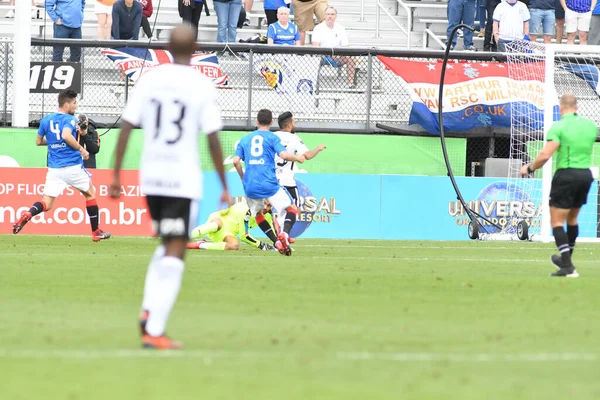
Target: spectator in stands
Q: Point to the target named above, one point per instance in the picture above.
(331, 34)
(68, 18)
(283, 31)
(480, 15)
(228, 15)
(578, 15)
(489, 43)
(542, 15)
(559, 14)
(461, 11)
(104, 16)
(127, 20)
(191, 11)
(303, 14)
(594, 34)
(271, 7)
(511, 22)
(146, 13)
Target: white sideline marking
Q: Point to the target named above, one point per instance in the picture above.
(220, 255)
(469, 357)
(209, 355)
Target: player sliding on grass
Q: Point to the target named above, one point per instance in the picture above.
(60, 132)
(223, 227)
(258, 150)
(573, 139)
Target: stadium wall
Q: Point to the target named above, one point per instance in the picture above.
(335, 206)
(345, 153)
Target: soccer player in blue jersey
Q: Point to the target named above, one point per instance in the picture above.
(59, 131)
(258, 150)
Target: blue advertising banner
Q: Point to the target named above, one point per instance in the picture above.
(403, 207)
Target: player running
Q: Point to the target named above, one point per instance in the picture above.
(172, 103)
(294, 145)
(223, 227)
(573, 139)
(60, 132)
(258, 150)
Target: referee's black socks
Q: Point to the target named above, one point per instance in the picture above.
(562, 243)
(572, 233)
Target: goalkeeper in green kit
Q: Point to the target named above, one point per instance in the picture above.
(572, 138)
(223, 227)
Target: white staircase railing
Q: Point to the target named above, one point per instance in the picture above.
(405, 30)
(409, 9)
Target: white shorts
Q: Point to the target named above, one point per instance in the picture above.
(57, 180)
(102, 9)
(575, 21)
(285, 178)
(280, 201)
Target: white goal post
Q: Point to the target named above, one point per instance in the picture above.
(560, 69)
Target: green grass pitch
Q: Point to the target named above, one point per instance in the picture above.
(338, 320)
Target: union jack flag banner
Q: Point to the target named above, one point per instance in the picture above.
(135, 61)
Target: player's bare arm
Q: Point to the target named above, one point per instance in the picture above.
(237, 163)
(216, 153)
(115, 187)
(292, 157)
(313, 153)
(41, 141)
(67, 135)
(541, 158)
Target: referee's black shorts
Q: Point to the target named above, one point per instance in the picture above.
(172, 216)
(570, 187)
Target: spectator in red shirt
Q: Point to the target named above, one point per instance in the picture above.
(146, 13)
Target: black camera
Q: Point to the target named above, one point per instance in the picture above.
(83, 122)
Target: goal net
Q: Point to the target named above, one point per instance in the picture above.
(543, 73)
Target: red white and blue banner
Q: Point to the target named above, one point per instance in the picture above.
(476, 94)
(135, 61)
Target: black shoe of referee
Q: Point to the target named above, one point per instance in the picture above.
(569, 272)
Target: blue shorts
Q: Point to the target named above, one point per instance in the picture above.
(327, 60)
(559, 12)
(542, 18)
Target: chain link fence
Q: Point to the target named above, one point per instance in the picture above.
(354, 97)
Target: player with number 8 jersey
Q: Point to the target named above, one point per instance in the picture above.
(60, 132)
(258, 150)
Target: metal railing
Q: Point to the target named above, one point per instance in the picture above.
(280, 78)
(406, 31)
(428, 33)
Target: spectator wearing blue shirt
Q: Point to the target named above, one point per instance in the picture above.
(283, 31)
(127, 20)
(578, 15)
(67, 16)
(594, 34)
